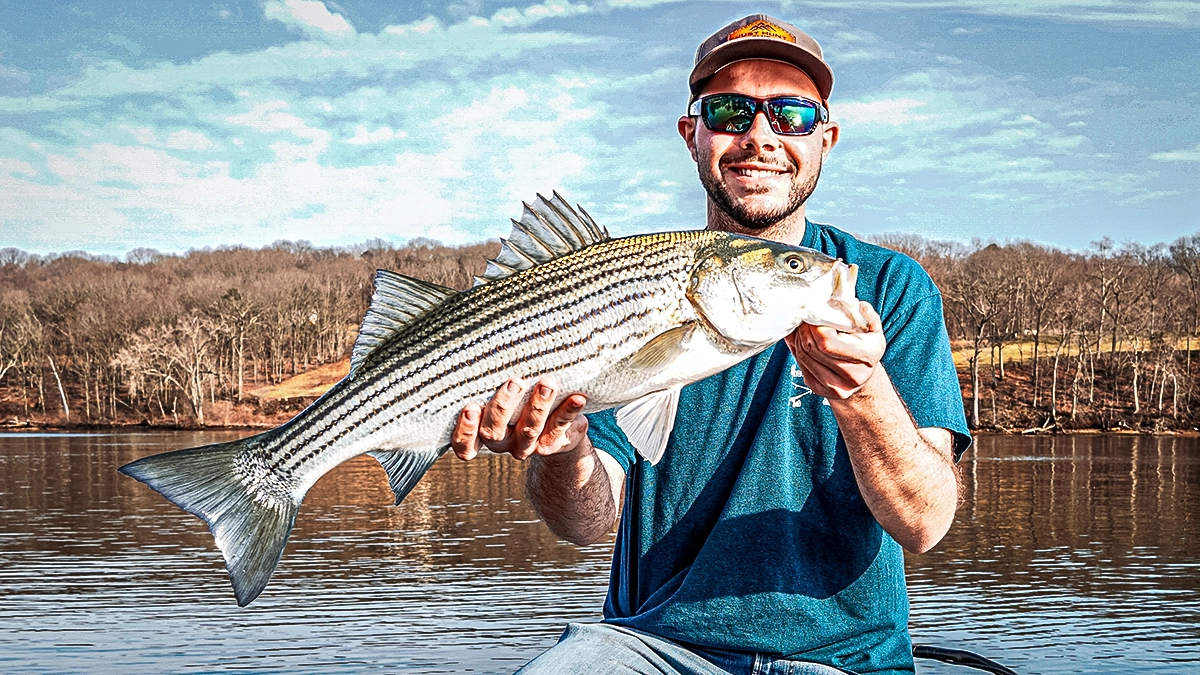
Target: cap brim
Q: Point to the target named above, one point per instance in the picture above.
(763, 48)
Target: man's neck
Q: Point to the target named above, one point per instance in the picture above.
(790, 230)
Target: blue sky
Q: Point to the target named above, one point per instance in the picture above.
(177, 125)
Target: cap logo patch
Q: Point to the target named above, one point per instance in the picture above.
(761, 29)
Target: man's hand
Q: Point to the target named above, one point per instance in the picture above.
(572, 486)
(906, 475)
(537, 430)
(836, 365)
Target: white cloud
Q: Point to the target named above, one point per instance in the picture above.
(310, 16)
(381, 135)
(1187, 155)
(13, 73)
(186, 139)
(511, 16)
(888, 112)
(1178, 12)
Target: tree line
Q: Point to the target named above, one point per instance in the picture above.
(1047, 338)
(1052, 339)
(95, 340)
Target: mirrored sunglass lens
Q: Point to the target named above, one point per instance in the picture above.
(793, 117)
(729, 113)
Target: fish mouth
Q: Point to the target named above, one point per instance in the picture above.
(843, 300)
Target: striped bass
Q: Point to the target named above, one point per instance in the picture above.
(627, 322)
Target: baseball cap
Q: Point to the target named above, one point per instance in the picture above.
(759, 36)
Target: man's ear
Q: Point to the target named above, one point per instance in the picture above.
(829, 137)
(687, 129)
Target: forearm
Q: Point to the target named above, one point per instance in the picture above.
(574, 493)
(909, 483)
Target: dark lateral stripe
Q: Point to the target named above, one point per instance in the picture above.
(485, 314)
(330, 417)
(493, 310)
(503, 366)
(325, 419)
(376, 413)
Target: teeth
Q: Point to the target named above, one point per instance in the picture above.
(757, 173)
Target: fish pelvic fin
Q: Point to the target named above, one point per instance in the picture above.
(251, 529)
(406, 467)
(648, 421)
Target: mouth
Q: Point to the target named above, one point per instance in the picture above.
(756, 175)
(756, 170)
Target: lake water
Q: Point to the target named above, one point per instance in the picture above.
(1071, 554)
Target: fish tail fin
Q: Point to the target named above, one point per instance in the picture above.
(251, 528)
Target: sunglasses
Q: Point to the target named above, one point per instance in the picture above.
(734, 113)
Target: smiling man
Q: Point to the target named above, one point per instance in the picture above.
(769, 538)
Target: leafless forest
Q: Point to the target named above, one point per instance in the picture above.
(1046, 339)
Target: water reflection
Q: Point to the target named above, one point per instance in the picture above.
(1070, 554)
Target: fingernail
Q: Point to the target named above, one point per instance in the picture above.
(470, 414)
(544, 391)
(513, 387)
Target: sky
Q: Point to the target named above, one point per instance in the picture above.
(177, 125)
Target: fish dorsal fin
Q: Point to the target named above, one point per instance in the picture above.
(648, 421)
(548, 228)
(396, 302)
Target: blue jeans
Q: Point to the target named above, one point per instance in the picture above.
(603, 649)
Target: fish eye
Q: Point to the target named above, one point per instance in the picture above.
(794, 263)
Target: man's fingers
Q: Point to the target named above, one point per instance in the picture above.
(493, 427)
(559, 426)
(874, 321)
(464, 440)
(533, 419)
(817, 374)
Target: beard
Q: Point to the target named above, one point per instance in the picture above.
(757, 219)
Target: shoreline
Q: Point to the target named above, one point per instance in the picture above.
(29, 425)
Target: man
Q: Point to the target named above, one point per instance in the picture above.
(769, 537)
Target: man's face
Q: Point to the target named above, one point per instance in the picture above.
(758, 178)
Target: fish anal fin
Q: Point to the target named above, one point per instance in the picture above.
(406, 467)
(250, 529)
(648, 421)
(396, 302)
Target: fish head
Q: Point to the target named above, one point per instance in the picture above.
(754, 291)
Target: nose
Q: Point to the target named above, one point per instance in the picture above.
(760, 136)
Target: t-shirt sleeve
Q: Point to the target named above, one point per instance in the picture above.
(920, 365)
(606, 436)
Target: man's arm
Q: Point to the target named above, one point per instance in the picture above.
(906, 475)
(574, 488)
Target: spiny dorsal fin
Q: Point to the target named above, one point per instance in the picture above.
(396, 302)
(548, 229)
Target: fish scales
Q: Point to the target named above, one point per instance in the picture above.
(625, 321)
(482, 327)
(498, 312)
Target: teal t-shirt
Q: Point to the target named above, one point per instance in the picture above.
(750, 534)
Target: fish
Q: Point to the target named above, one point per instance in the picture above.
(626, 321)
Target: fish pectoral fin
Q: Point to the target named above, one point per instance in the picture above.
(406, 467)
(396, 302)
(661, 350)
(648, 421)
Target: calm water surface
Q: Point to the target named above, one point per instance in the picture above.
(1075, 554)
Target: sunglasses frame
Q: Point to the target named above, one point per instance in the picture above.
(760, 105)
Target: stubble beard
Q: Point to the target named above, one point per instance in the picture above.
(757, 219)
